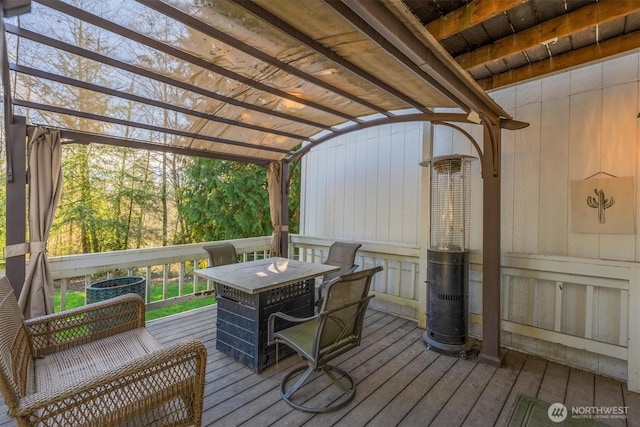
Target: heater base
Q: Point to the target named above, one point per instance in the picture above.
(460, 350)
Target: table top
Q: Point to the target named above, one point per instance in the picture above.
(261, 275)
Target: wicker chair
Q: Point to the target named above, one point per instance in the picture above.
(96, 366)
(321, 338)
(221, 254)
(343, 255)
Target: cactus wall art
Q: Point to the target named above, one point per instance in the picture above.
(600, 203)
(603, 206)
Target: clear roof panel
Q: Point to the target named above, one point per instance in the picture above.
(213, 75)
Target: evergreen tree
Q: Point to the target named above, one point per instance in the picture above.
(229, 200)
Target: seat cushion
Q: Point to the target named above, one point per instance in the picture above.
(300, 337)
(75, 364)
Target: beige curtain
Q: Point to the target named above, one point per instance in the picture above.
(273, 183)
(45, 183)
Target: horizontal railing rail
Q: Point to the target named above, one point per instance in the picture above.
(160, 267)
(396, 287)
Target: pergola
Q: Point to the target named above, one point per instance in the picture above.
(251, 81)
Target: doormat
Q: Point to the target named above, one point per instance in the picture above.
(532, 412)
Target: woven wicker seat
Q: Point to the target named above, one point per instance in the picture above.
(96, 365)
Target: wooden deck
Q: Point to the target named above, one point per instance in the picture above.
(399, 382)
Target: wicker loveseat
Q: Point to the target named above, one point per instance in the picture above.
(96, 365)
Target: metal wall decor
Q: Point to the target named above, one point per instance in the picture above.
(603, 205)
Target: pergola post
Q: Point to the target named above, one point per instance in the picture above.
(16, 201)
(491, 244)
(284, 207)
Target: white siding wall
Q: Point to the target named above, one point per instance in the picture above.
(365, 185)
(581, 122)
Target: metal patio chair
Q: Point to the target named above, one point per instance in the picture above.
(343, 255)
(221, 254)
(319, 339)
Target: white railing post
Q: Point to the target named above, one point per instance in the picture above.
(633, 344)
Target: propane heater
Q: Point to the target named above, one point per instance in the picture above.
(448, 254)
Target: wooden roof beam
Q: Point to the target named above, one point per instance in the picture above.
(469, 15)
(561, 26)
(611, 47)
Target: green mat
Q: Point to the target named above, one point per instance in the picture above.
(532, 412)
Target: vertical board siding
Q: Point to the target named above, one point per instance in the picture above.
(619, 110)
(410, 202)
(365, 185)
(526, 192)
(584, 160)
(554, 180)
(582, 122)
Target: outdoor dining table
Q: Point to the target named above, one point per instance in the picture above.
(249, 292)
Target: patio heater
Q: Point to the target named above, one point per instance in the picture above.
(448, 254)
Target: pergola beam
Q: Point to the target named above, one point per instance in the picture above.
(153, 128)
(57, 44)
(364, 15)
(328, 53)
(187, 57)
(562, 26)
(375, 20)
(196, 24)
(70, 136)
(151, 102)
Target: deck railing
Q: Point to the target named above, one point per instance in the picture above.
(580, 312)
(160, 266)
(396, 287)
(556, 307)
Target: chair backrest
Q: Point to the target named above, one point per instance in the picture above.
(221, 254)
(343, 255)
(16, 371)
(341, 315)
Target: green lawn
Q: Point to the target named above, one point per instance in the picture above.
(76, 299)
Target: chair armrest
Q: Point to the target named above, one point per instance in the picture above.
(283, 316)
(353, 268)
(172, 374)
(70, 328)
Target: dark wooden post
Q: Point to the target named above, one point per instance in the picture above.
(284, 208)
(16, 202)
(491, 244)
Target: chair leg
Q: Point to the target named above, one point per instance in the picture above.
(346, 395)
(298, 384)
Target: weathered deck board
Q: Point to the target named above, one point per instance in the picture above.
(491, 403)
(399, 382)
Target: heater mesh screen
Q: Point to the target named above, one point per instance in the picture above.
(450, 204)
